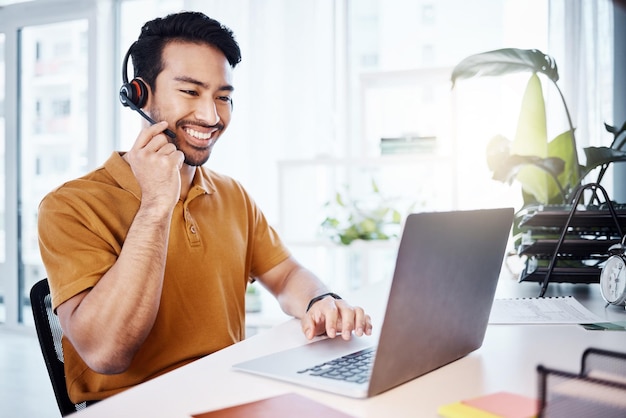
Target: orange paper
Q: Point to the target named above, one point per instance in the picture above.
(288, 405)
(506, 405)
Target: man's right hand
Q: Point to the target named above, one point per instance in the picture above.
(156, 164)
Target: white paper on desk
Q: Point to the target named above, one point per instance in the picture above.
(550, 310)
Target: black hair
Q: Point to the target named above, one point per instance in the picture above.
(193, 27)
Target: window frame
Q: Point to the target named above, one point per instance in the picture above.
(99, 15)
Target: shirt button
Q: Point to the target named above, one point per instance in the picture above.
(193, 229)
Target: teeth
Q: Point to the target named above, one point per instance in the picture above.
(197, 134)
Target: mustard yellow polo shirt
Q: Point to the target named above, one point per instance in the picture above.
(218, 239)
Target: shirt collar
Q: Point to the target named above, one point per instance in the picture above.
(119, 169)
(202, 183)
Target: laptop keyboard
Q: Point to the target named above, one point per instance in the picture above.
(355, 367)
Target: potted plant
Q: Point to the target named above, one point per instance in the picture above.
(253, 297)
(370, 218)
(549, 171)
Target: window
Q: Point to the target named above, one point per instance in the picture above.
(53, 132)
(43, 83)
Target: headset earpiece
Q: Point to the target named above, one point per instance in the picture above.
(134, 91)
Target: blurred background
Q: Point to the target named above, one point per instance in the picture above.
(347, 99)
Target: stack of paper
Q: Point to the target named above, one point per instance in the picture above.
(548, 310)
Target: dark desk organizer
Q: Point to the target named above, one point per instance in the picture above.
(567, 243)
(599, 390)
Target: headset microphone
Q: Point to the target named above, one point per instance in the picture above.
(135, 93)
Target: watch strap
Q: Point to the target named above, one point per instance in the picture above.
(320, 297)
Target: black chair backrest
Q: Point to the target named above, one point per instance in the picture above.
(49, 333)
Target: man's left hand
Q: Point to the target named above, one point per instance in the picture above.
(335, 317)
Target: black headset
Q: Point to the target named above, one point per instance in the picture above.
(134, 91)
(134, 94)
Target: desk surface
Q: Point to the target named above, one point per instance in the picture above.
(506, 361)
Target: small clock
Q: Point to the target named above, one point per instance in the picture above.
(613, 276)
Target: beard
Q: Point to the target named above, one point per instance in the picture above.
(194, 156)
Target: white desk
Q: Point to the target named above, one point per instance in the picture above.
(506, 361)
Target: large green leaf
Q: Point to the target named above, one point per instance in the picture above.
(597, 156)
(563, 147)
(531, 139)
(510, 166)
(505, 166)
(619, 135)
(506, 61)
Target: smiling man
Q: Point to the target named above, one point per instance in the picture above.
(148, 257)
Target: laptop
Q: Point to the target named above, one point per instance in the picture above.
(443, 287)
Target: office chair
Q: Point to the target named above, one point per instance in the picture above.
(49, 333)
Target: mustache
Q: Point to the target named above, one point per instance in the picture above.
(219, 125)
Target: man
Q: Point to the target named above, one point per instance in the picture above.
(149, 256)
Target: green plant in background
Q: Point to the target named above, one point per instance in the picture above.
(372, 218)
(253, 297)
(549, 171)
